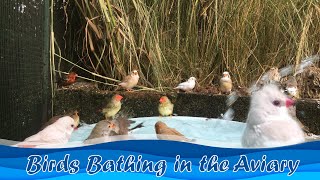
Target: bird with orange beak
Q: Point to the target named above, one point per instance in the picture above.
(113, 107)
(166, 133)
(130, 81)
(225, 83)
(165, 107)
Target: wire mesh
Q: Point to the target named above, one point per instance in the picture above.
(24, 58)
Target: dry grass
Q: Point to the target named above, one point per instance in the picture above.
(169, 41)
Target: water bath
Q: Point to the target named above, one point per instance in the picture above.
(205, 131)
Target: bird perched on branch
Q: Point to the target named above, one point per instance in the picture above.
(68, 79)
(166, 133)
(188, 85)
(73, 114)
(57, 133)
(113, 107)
(225, 83)
(165, 107)
(130, 81)
(269, 123)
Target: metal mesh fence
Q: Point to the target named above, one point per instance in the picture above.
(24, 61)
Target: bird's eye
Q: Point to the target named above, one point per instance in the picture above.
(72, 125)
(276, 103)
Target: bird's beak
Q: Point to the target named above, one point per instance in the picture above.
(113, 126)
(290, 102)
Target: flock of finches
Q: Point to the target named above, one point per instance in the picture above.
(269, 121)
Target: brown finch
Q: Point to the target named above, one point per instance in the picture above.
(166, 133)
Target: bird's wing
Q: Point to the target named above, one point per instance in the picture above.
(175, 132)
(48, 135)
(126, 79)
(109, 106)
(169, 131)
(99, 130)
(183, 85)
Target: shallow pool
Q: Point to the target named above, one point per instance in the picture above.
(212, 132)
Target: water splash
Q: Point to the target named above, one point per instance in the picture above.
(307, 62)
(229, 115)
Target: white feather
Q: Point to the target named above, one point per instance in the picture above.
(56, 133)
(188, 85)
(269, 125)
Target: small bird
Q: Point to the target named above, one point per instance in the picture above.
(104, 128)
(188, 85)
(57, 133)
(165, 107)
(166, 133)
(269, 123)
(291, 87)
(130, 81)
(225, 83)
(274, 75)
(67, 79)
(73, 114)
(113, 107)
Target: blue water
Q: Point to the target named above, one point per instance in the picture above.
(213, 132)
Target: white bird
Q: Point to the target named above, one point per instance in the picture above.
(57, 133)
(130, 81)
(188, 85)
(225, 83)
(269, 123)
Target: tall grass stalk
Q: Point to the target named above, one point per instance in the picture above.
(169, 41)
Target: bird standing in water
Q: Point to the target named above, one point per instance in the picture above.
(103, 128)
(165, 106)
(113, 107)
(166, 133)
(57, 133)
(130, 81)
(269, 123)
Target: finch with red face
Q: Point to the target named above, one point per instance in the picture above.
(113, 107)
(165, 106)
